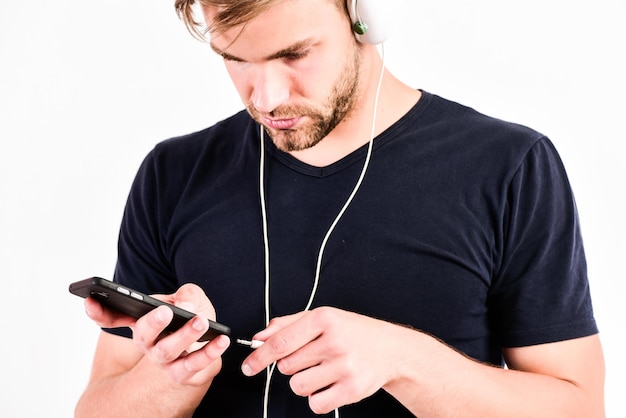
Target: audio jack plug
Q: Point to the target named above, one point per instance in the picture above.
(253, 344)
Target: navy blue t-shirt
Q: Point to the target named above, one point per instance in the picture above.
(465, 227)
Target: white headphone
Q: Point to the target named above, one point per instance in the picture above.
(369, 20)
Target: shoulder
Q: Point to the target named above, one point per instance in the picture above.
(228, 134)
(474, 127)
(459, 136)
(173, 164)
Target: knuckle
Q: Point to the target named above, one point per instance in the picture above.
(141, 342)
(279, 344)
(357, 389)
(188, 292)
(195, 363)
(160, 355)
(275, 322)
(354, 387)
(324, 315)
(176, 377)
(209, 354)
(284, 366)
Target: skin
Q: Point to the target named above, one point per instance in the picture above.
(334, 361)
(297, 127)
(285, 76)
(176, 371)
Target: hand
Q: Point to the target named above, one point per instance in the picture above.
(335, 357)
(183, 359)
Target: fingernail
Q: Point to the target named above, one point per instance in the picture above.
(246, 369)
(198, 324)
(223, 342)
(87, 311)
(162, 315)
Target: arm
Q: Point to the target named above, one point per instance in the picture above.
(337, 358)
(143, 377)
(563, 379)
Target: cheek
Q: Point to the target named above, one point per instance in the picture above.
(312, 81)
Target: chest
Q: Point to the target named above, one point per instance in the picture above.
(408, 250)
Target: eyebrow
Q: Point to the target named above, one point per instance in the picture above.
(285, 52)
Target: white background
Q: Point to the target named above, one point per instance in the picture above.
(88, 87)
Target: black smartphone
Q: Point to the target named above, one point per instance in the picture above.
(136, 304)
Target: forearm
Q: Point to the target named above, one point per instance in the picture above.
(143, 391)
(444, 383)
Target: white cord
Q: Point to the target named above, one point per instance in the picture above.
(265, 233)
(270, 369)
(354, 191)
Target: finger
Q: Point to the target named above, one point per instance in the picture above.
(171, 347)
(202, 358)
(148, 328)
(327, 400)
(334, 383)
(309, 355)
(328, 390)
(281, 344)
(192, 298)
(312, 380)
(199, 367)
(104, 317)
(276, 324)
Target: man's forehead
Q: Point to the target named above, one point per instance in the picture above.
(279, 25)
(284, 29)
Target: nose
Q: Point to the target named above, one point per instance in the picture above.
(270, 88)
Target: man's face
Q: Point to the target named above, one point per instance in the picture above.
(296, 68)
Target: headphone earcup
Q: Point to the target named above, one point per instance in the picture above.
(369, 21)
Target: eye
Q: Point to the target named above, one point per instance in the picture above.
(228, 58)
(296, 55)
(235, 63)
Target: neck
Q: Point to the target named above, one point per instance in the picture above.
(392, 101)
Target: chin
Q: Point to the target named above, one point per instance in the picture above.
(284, 143)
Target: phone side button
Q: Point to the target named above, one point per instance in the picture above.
(136, 296)
(123, 290)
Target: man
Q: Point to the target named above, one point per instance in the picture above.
(459, 251)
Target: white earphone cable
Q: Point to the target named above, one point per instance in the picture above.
(270, 369)
(356, 187)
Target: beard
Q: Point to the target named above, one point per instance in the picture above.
(321, 120)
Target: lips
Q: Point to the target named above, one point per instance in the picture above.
(281, 124)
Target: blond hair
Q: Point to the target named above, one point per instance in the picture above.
(231, 13)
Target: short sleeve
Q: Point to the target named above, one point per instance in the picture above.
(541, 293)
(142, 262)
